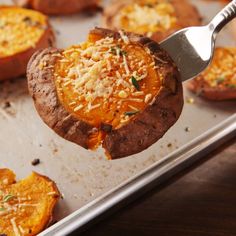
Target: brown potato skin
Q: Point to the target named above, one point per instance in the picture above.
(58, 7)
(202, 88)
(15, 65)
(43, 91)
(186, 13)
(134, 137)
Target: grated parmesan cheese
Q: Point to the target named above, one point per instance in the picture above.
(14, 226)
(100, 76)
(142, 18)
(124, 37)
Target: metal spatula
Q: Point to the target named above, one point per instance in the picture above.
(192, 48)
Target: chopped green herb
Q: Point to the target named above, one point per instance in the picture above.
(231, 85)
(135, 83)
(220, 80)
(117, 50)
(28, 21)
(113, 50)
(122, 52)
(8, 197)
(131, 113)
(2, 209)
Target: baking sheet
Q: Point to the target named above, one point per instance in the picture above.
(82, 175)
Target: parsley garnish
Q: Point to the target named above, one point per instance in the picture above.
(117, 50)
(220, 80)
(135, 83)
(113, 50)
(8, 197)
(30, 22)
(131, 113)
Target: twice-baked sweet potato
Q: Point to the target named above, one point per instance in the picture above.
(26, 206)
(22, 33)
(154, 18)
(58, 7)
(218, 81)
(119, 90)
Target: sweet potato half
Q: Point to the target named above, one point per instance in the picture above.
(119, 90)
(155, 18)
(218, 81)
(26, 206)
(58, 7)
(22, 33)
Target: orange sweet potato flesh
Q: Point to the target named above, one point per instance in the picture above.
(105, 114)
(31, 31)
(26, 206)
(58, 7)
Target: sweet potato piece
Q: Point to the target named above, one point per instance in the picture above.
(119, 90)
(6, 177)
(22, 33)
(154, 18)
(218, 81)
(26, 206)
(58, 7)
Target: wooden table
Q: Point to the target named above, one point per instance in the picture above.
(199, 202)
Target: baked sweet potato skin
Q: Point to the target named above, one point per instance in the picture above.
(43, 91)
(200, 87)
(137, 135)
(36, 194)
(15, 65)
(186, 14)
(58, 7)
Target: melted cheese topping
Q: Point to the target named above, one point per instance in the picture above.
(222, 71)
(147, 17)
(20, 29)
(106, 81)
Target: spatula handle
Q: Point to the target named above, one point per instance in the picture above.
(224, 17)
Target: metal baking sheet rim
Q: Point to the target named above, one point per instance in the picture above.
(170, 165)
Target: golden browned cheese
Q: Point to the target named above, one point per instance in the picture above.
(147, 16)
(106, 81)
(20, 29)
(218, 81)
(26, 206)
(222, 71)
